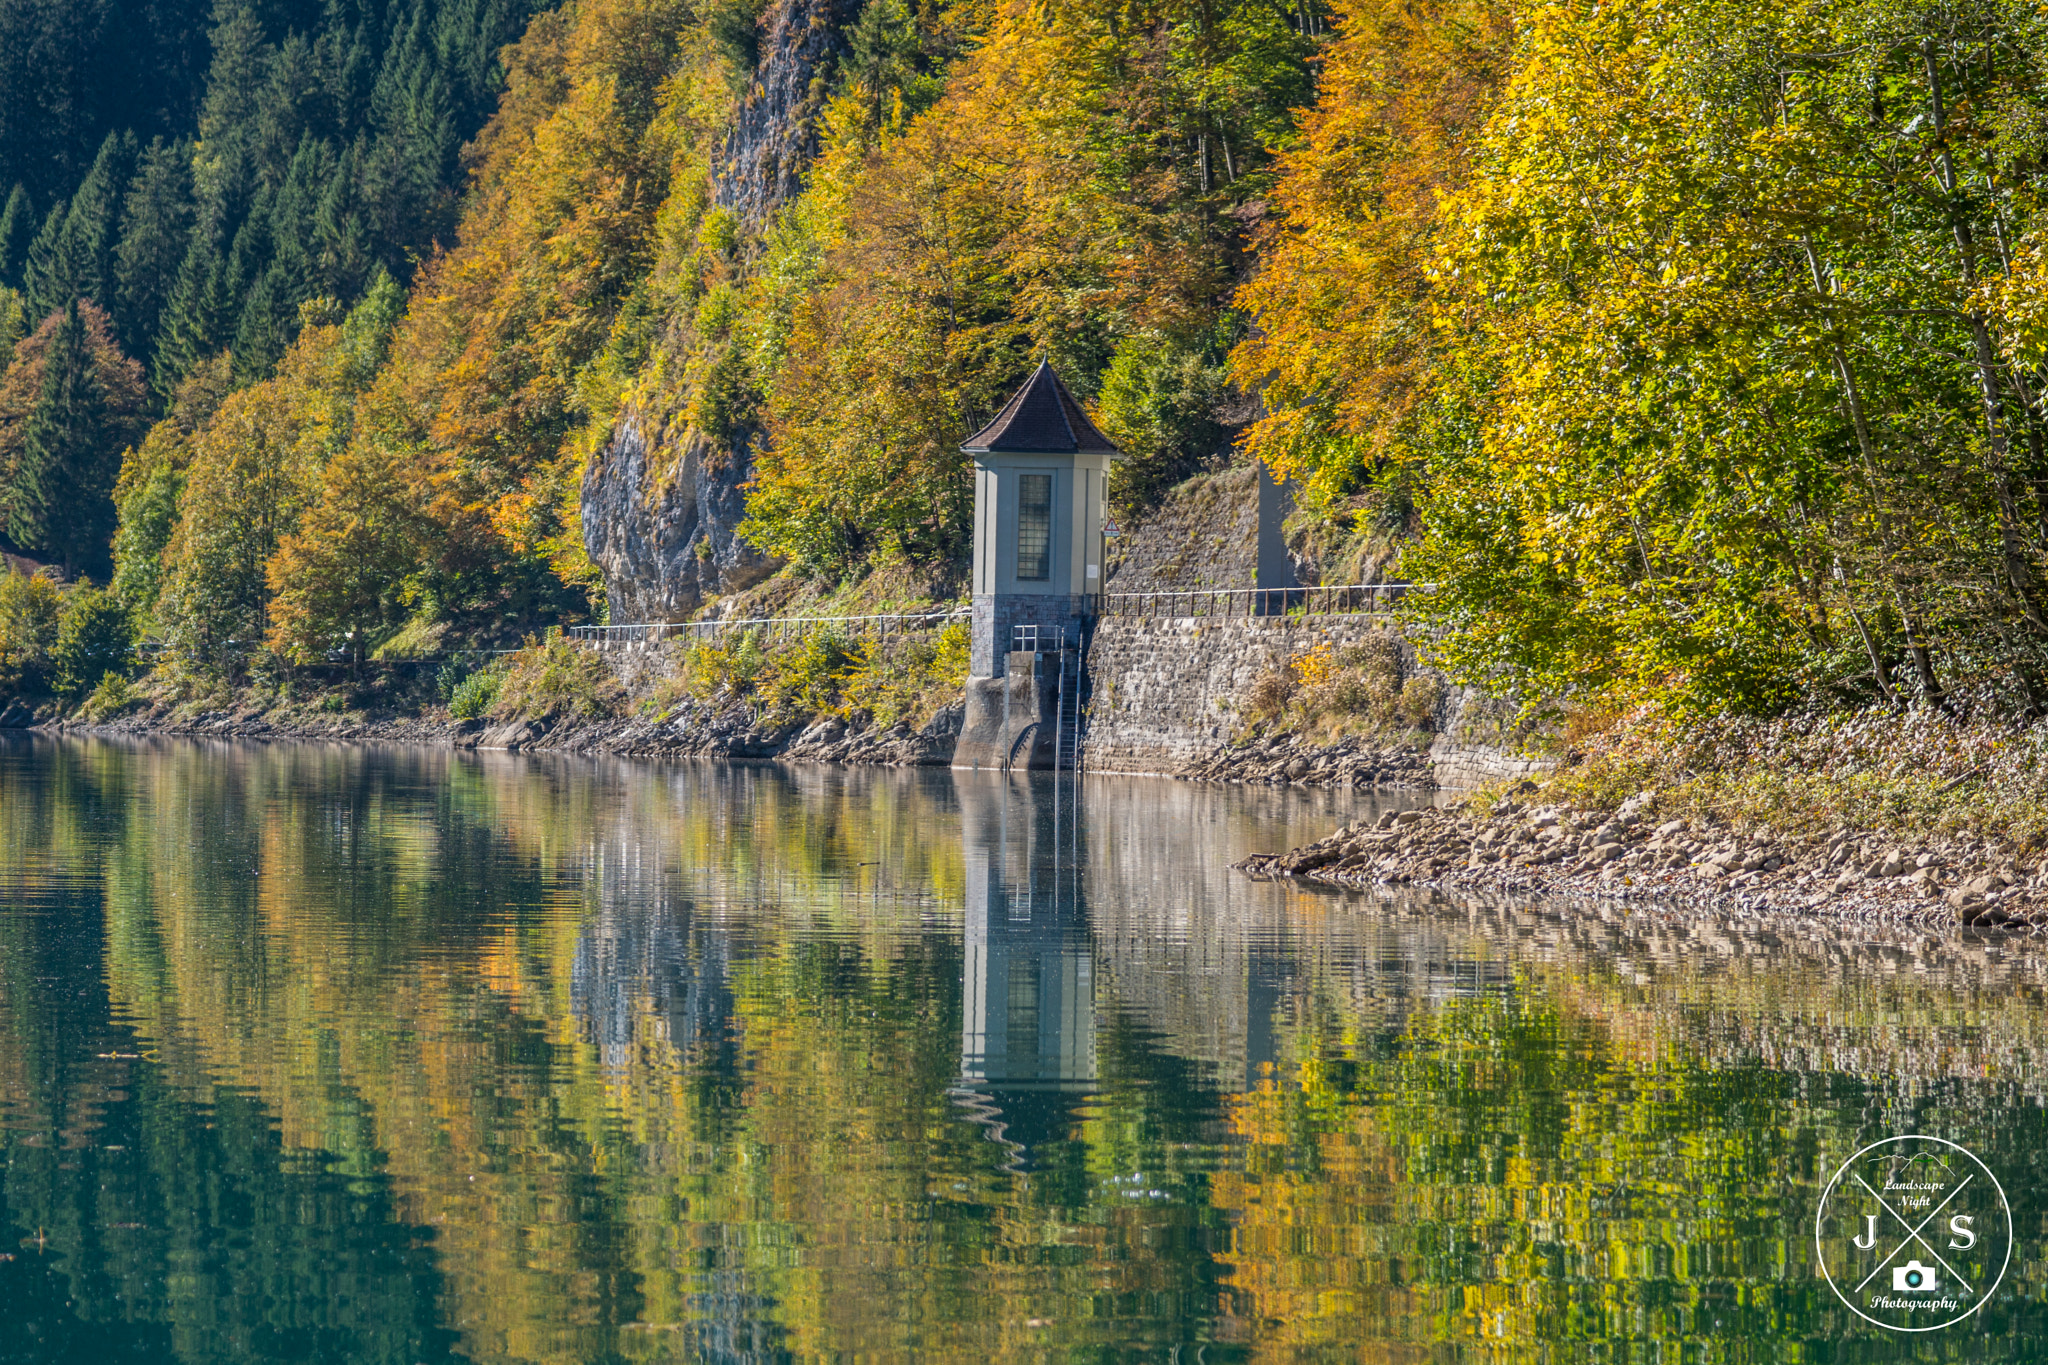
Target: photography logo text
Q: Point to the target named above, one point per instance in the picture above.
(1913, 1233)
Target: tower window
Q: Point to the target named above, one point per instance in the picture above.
(1034, 526)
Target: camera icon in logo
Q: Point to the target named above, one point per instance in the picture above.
(1914, 1278)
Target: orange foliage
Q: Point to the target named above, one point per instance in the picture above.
(1346, 345)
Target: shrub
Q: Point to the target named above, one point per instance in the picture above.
(807, 677)
(1316, 667)
(95, 637)
(1419, 699)
(911, 679)
(30, 613)
(476, 694)
(1330, 692)
(112, 697)
(1271, 693)
(555, 676)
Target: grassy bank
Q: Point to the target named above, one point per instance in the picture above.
(1916, 775)
(749, 678)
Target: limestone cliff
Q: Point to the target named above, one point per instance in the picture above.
(658, 519)
(774, 136)
(661, 500)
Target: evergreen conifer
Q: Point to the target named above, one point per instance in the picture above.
(59, 504)
(189, 328)
(156, 227)
(80, 260)
(16, 222)
(40, 267)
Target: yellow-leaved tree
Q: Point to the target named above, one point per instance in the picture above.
(1350, 339)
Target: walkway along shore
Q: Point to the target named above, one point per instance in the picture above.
(1629, 854)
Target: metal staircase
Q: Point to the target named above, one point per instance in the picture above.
(1064, 654)
(1066, 729)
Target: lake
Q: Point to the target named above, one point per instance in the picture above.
(326, 1053)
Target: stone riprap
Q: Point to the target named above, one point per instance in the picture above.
(1631, 854)
(1288, 760)
(697, 730)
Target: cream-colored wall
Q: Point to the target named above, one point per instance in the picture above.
(1078, 492)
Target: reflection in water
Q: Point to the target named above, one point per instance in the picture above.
(1028, 986)
(342, 1054)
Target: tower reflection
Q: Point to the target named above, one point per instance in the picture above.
(1027, 1047)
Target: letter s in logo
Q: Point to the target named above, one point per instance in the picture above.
(1959, 1226)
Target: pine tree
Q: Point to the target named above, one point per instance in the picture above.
(13, 320)
(16, 222)
(82, 264)
(156, 231)
(46, 124)
(264, 310)
(266, 326)
(40, 271)
(227, 118)
(189, 328)
(59, 503)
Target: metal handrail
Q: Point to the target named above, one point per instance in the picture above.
(1343, 599)
(661, 630)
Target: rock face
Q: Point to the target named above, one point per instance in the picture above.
(775, 135)
(659, 522)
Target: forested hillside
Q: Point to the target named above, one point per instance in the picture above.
(810, 247)
(1696, 351)
(182, 179)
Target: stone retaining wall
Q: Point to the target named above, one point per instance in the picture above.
(1167, 692)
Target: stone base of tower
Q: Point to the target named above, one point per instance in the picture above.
(997, 616)
(1010, 720)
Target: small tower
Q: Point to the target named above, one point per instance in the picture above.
(1041, 488)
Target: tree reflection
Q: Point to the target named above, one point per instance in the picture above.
(330, 1053)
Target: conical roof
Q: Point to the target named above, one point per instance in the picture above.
(1041, 417)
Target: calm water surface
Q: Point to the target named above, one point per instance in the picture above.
(342, 1054)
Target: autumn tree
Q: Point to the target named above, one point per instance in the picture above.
(1347, 343)
(95, 637)
(338, 580)
(252, 470)
(152, 481)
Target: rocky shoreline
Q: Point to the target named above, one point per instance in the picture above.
(1630, 854)
(694, 729)
(1284, 759)
(690, 730)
